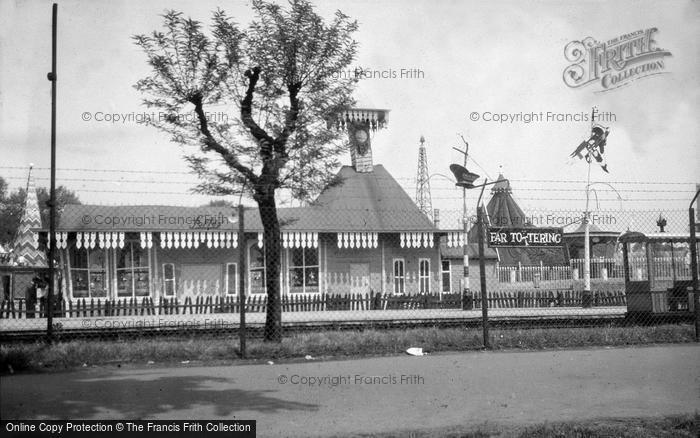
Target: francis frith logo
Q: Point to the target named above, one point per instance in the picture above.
(616, 62)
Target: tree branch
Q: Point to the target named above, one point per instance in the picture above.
(211, 143)
(272, 150)
(290, 120)
(258, 133)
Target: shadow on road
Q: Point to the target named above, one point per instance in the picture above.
(139, 395)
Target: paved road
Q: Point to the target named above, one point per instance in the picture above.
(368, 396)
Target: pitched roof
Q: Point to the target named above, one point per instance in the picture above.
(145, 218)
(371, 201)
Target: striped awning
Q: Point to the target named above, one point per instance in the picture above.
(299, 240)
(106, 240)
(212, 239)
(456, 239)
(358, 240)
(229, 239)
(417, 240)
(375, 118)
(92, 240)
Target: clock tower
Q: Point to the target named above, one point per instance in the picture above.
(361, 124)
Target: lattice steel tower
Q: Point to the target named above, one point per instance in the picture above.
(423, 199)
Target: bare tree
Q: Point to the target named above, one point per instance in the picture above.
(284, 77)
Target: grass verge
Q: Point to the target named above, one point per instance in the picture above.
(676, 426)
(65, 355)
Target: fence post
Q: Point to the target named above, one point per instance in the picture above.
(241, 279)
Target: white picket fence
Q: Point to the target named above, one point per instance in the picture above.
(601, 268)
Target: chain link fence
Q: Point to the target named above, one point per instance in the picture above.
(150, 270)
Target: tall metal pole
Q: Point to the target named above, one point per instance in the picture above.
(52, 196)
(480, 214)
(482, 271)
(586, 297)
(587, 248)
(241, 278)
(465, 230)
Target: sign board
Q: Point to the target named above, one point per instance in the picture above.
(523, 237)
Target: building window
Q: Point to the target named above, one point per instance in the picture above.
(231, 278)
(88, 273)
(256, 270)
(424, 276)
(303, 270)
(132, 271)
(446, 276)
(169, 286)
(399, 276)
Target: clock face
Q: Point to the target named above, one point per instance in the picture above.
(362, 141)
(361, 136)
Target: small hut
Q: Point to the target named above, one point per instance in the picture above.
(602, 243)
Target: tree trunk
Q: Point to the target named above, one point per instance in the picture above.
(271, 246)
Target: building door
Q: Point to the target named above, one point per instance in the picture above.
(6, 295)
(359, 278)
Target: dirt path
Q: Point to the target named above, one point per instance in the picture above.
(370, 396)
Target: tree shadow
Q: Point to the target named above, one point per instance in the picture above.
(140, 394)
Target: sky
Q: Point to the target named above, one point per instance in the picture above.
(482, 58)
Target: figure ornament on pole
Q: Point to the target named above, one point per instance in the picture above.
(591, 149)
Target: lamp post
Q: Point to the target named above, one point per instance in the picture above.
(467, 303)
(694, 265)
(465, 179)
(52, 195)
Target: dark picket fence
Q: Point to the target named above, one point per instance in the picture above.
(306, 303)
(556, 298)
